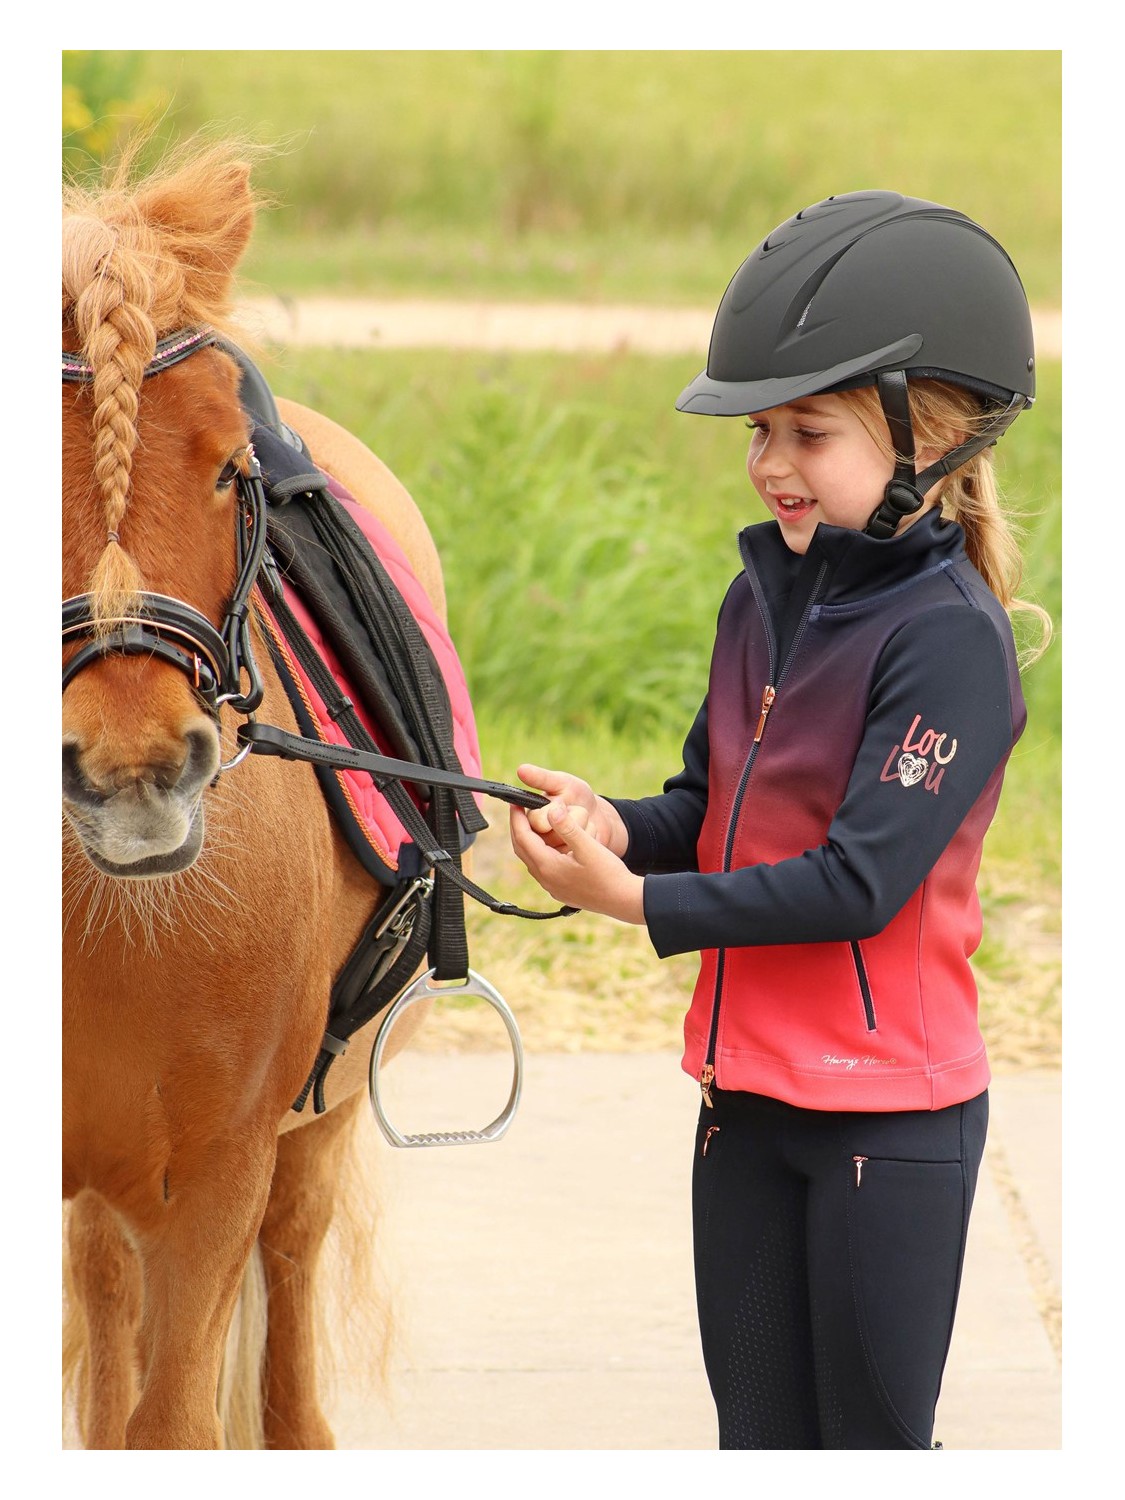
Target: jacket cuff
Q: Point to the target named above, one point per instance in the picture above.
(669, 930)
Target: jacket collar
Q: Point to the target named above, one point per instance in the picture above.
(858, 565)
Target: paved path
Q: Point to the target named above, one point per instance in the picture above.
(415, 323)
(546, 1278)
(546, 1298)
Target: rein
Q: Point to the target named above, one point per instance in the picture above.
(215, 659)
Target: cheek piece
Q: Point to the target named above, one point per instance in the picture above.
(906, 490)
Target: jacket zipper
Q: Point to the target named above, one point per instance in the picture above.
(769, 698)
(864, 986)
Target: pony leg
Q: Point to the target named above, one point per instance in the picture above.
(106, 1280)
(193, 1264)
(302, 1201)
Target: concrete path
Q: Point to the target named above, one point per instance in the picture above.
(562, 327)
(546, 1279)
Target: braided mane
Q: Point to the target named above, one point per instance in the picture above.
(140, 259)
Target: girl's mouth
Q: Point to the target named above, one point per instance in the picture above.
(791, 507)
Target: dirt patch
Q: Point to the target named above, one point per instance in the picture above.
(562, 327)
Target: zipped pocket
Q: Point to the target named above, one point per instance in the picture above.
(864, 987)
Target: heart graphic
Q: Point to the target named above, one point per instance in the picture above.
(912, 768)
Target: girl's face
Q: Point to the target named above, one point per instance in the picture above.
(814, 460)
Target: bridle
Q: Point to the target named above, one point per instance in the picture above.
(214, 660)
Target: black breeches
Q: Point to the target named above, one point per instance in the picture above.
(828, 1255)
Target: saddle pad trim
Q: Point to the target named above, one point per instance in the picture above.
(374, 819)
(362, 821)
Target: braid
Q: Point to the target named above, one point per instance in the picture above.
(942, 414)
(109, 298)
(143, 256)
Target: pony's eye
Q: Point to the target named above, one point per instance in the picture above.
(228, 476)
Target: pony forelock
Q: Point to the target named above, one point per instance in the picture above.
(143, 257)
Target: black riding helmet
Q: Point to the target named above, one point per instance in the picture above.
(872, 288)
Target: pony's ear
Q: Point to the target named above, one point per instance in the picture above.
(207, 211)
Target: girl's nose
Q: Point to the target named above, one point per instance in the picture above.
(767, 459)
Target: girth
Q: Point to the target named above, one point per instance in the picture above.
(293, 524)
(316, 547)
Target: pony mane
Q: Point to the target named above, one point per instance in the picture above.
(143, 256)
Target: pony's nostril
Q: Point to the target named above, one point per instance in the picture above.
(202, 760)
(76, 787)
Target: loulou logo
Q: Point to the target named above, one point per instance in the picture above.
(909, 762)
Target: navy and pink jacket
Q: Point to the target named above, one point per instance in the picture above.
(821, 845)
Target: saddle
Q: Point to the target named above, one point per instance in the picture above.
(374, 681)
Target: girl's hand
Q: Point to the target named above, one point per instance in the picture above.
(593, 813)
(577, 870)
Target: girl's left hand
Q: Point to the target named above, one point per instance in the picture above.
(584, 873)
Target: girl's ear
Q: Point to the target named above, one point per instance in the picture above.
(926, 456)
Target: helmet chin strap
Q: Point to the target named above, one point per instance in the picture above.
(903, 494)
(906, 490)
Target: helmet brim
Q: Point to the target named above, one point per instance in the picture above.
(732, 398)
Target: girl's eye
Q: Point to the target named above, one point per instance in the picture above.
(806, 434)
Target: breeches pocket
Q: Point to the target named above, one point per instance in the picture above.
(907, 1223)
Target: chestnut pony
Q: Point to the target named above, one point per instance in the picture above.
(206, 911)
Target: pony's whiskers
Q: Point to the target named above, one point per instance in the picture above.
(188, 996)
(147, 913)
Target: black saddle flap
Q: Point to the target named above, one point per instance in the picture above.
(361, 613)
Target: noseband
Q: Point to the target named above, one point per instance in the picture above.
(213, 660)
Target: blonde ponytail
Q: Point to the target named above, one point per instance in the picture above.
(942, 416)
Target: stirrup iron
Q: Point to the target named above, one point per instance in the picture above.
(423, 989)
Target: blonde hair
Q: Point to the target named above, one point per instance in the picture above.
(942, 416)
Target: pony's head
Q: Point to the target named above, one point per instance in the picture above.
(150, 503)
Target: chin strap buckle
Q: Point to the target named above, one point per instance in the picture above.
(900, 500)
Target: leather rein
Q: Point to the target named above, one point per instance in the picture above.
(215, 658)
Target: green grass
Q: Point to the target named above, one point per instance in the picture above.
(586, 530)
(587, 533)
(612, 174)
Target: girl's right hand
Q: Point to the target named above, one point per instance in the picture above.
(600, 818)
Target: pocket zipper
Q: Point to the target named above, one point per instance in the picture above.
(864, 987)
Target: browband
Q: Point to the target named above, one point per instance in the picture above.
(169, 351)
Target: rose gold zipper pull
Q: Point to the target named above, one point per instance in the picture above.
(768, 695)
(859, 1161)
(706, 1079)
(711, 1130)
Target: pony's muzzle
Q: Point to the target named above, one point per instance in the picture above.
(140, 819)
(183, 767)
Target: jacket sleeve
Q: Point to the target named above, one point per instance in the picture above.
(950, 667)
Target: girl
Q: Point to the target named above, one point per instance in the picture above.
(820, 846)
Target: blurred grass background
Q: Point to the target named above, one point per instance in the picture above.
(586, 530)
(625, 174)
(587, 533)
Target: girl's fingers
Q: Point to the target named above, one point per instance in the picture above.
(542, 779)
(539, 819)
(568, 824)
